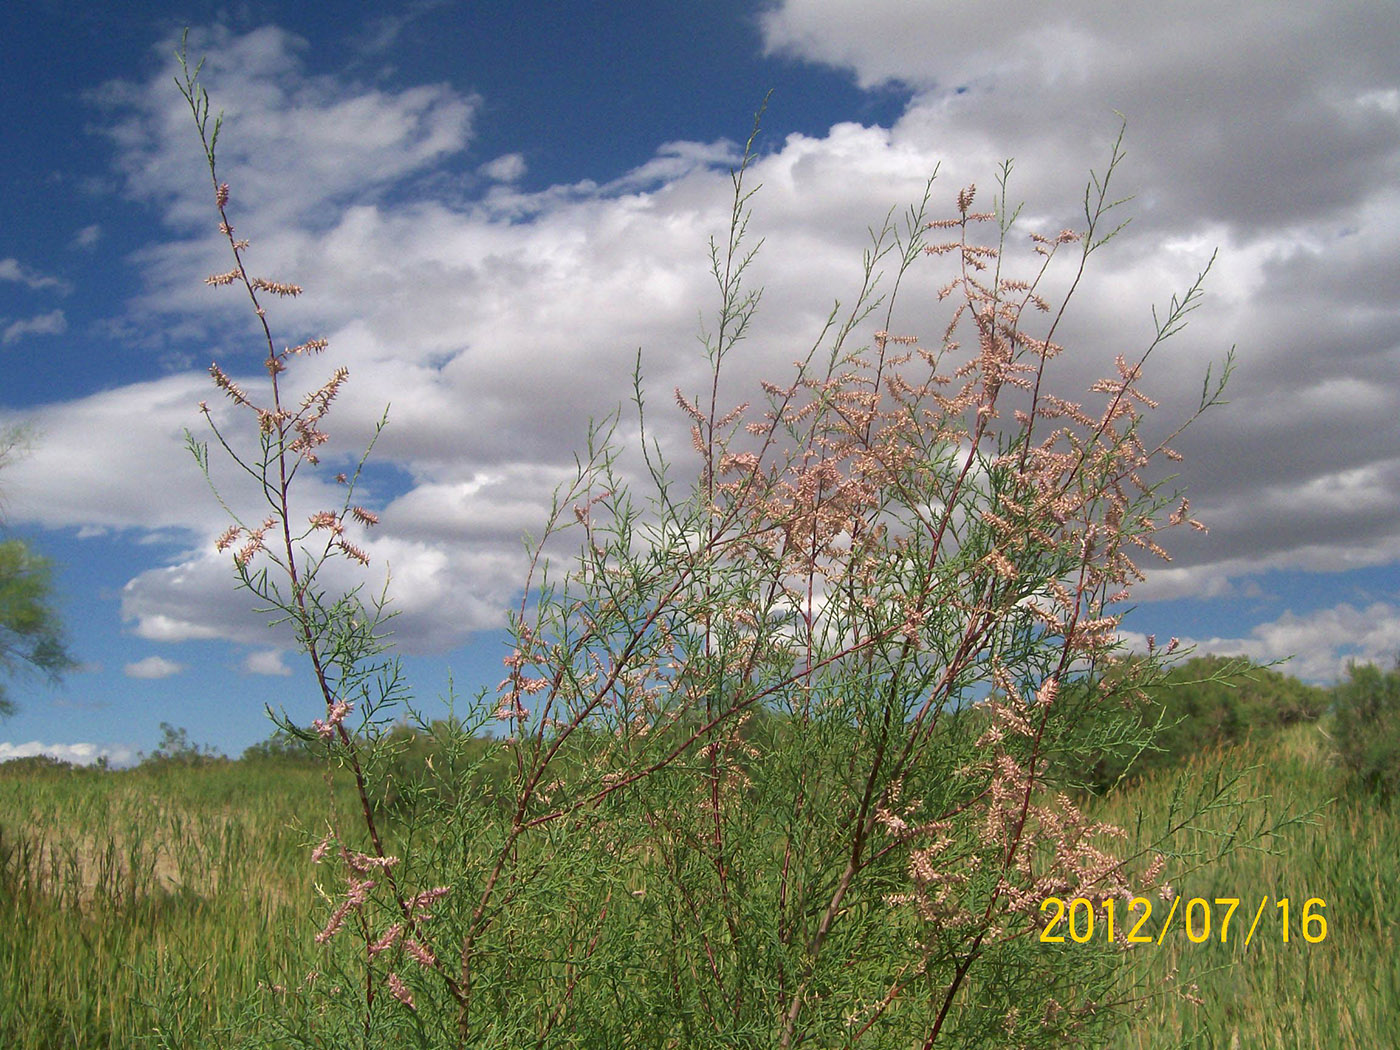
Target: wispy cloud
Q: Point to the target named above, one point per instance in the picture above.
(80, 704)
(13, 270)
(382, 32)
(51, 323)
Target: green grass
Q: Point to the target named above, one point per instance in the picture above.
(1339, 992)
(146, 898)
(160, 898)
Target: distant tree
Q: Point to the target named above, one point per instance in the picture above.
(1367, 727)
(31, 636)
(31, 764)
(176, 748)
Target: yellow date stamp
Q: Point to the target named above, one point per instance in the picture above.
(1079, 920)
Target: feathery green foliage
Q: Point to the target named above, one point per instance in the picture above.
(31, 635)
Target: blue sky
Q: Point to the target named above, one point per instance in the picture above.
(493, 205)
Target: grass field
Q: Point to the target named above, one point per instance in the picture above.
(1339, 992)
(148, 898)
(167, 897)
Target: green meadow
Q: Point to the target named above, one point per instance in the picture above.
(168, 904)
(1338, 992)
(154, 898)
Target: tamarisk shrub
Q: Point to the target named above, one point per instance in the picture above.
(771, 761)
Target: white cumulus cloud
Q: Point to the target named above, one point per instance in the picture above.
(153, 667)
(508, 167)
(266, 662)
(496, 329)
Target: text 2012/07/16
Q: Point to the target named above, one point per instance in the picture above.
(1078, 918)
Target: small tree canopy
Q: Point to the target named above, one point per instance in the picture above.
(30, 632)
(176, 748)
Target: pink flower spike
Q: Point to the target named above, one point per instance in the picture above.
(427, 897)
(363, 862)
(421, 953)
(387, 941)
(399, 990)
(337, 920)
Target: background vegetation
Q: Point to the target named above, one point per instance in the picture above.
(173, 897)
(31, 634)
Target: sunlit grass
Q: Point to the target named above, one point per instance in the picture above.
(149, 897)
(1273, 995)
(162, 897)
